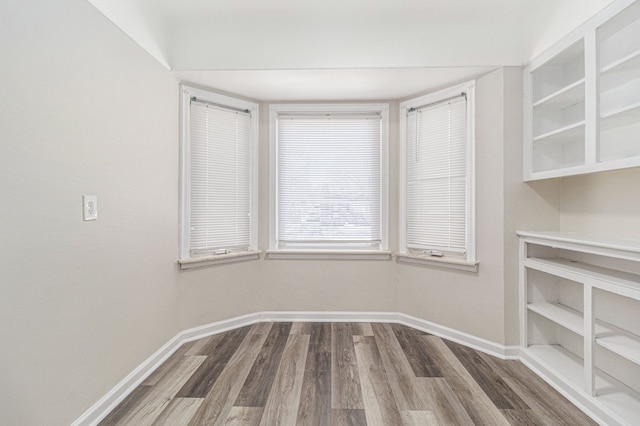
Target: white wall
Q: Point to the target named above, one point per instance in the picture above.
(83, 110)
(602, 204)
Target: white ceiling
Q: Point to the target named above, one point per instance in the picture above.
(342, 49)
(329, 85)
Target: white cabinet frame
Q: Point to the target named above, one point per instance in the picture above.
(591, 268)
(570, 144)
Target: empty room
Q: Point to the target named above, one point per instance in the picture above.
(346, 212)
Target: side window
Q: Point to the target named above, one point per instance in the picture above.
(219, 194)
(437, 175)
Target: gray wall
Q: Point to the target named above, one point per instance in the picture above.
(602, 204)
(83, 110)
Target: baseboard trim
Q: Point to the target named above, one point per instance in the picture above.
(477, 343)
(108, 402)
(104, 405)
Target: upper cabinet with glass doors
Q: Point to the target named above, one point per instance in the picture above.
(582, 98)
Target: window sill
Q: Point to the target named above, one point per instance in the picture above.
(438, 262)
(328, 255)
(220, 259)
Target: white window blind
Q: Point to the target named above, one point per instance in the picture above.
(436, 176)
(220, 179)
(329, 180)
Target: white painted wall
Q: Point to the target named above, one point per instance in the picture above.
(602, 204)
(83, 110)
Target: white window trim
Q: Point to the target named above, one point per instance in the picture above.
(185, 260)
(276, 253)
(404, 256)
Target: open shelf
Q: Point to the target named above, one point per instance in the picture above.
(560, 73)
(619, 401)
(570, 284)
(621, 70)
(625, 116)
(561, 315)
(564, 134)
(586, 91)
(631, 61)
(606, 278)
(566, 365)
(619, 341)
(566, 96)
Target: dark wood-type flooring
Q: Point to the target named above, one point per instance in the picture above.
(339, 374)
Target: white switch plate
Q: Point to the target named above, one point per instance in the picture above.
(90, 207)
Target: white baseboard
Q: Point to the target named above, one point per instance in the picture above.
(320, 316)
(100, 409)
(477, 343)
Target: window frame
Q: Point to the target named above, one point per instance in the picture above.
(344, 252)
(448, 260)
(185, 260)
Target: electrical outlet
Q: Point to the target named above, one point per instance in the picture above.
(90, 207)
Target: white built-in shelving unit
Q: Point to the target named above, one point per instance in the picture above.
(582, 98)
(580, 320)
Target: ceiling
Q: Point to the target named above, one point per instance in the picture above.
(342, 49)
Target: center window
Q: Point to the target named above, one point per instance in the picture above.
(329, 177)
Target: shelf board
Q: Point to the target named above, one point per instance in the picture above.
(560, 314)
(614, 72)
(564, 134)
(620, 117)
(570, 170)
(621, 342)
(551, 238)
(620, 401)
(563, 363)
(565, 97)
(604, 278)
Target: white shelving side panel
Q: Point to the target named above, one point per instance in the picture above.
(560, 314)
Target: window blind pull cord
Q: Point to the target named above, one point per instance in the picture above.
(194, 99)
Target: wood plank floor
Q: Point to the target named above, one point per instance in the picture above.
(339, 374)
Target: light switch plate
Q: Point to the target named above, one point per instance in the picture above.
(90, 207)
